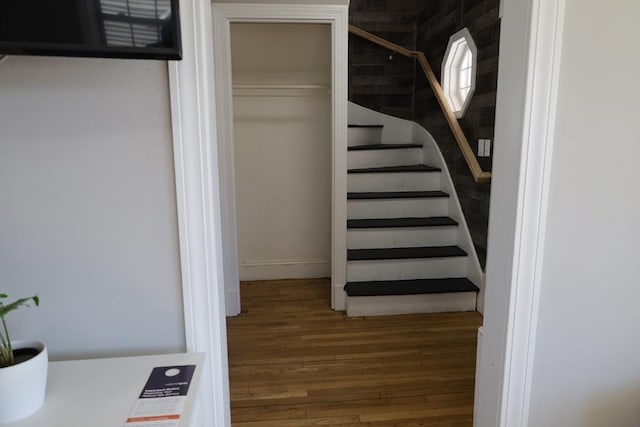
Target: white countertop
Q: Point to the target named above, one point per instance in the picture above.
(102, 392)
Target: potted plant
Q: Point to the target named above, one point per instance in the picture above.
(23, 368)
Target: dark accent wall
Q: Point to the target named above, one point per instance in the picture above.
(376, 81)
(436, 22)
(398, 86)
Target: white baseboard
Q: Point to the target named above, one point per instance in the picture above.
(285, 269)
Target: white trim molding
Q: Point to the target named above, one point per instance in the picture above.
(335, 15)
(276, 269)
(547, 22)
(198, 206)
(526, 110)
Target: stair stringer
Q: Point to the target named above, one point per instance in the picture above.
(432, 153)
(402, 131)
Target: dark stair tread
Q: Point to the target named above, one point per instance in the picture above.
(366, 126)
(433, 221)
(404, 253)
(388, 169)
(395, 195)
(382, 147)
(410, 287)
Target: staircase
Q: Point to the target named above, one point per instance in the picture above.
(403, 251)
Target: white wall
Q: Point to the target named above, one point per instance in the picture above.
(88, 212)
(282, 141)
(271, 53)
(587, 359)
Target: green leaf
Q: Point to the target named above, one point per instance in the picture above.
(6, 309)
(6, 357)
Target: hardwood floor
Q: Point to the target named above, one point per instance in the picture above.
(294, 362)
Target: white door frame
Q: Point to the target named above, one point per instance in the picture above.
(193, 121)
(336, 16)
(528, 78)
(510, 319)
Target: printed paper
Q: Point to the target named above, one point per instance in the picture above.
(162, 399)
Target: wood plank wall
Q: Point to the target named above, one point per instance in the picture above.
(436, 22)
(375, 81)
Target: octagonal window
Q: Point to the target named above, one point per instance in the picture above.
(459, 71)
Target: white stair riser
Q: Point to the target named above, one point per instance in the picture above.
(401, 269)
(397, 208)
(405, 304)
(394, 181)
(379, 158)
(364, 136)
(404, 237)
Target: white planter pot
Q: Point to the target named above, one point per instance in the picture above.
(23, 386)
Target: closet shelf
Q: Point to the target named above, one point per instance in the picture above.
(270, 89)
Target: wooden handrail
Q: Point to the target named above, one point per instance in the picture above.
(478, 174)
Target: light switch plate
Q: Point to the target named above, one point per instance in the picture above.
(480, 147)
(487, 147)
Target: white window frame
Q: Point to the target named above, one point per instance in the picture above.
(459, 92)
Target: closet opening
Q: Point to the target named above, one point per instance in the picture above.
(282, 150)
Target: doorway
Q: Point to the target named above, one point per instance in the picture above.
(281, 74)
(271, 81)
(199, 195)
